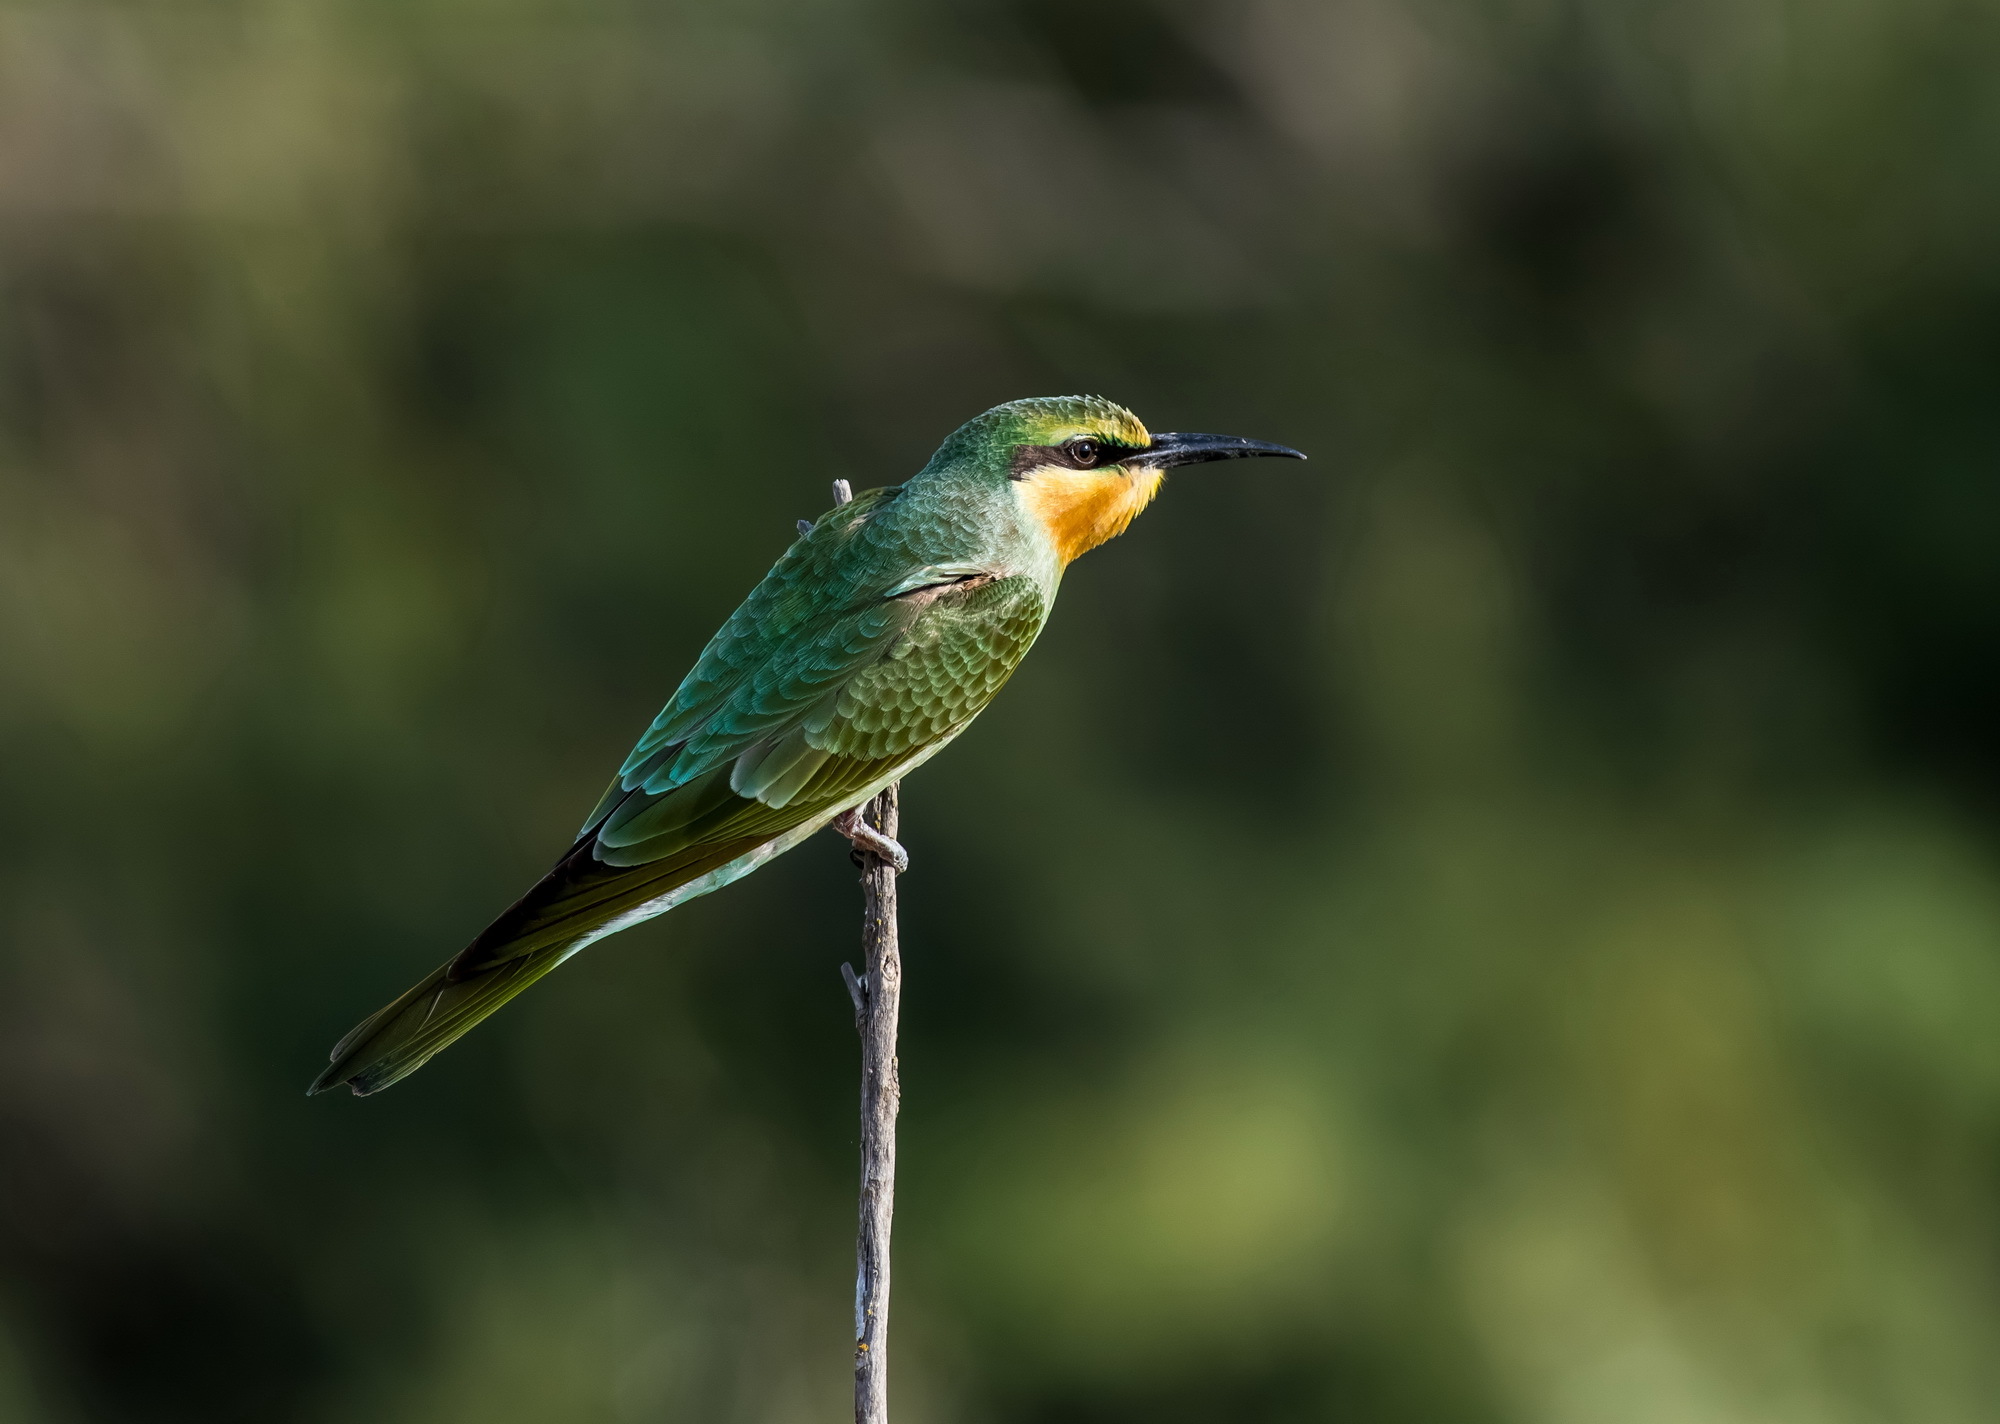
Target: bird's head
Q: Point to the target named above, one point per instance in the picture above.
(1081, 467)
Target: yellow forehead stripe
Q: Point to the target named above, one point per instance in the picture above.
(1088, 415)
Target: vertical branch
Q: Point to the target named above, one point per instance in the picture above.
(877, 994)
(880, 1003)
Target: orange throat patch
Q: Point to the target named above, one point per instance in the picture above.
(1080, 509)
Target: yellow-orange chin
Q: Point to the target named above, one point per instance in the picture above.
(1080, 509)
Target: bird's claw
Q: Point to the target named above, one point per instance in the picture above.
(866, 837)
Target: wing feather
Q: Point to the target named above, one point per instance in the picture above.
(953, 656)
(814, 693)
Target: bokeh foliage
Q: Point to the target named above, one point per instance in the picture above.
(1501, 923)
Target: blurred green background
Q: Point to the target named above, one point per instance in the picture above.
(1500, 923)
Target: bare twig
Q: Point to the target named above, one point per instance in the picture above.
(877, 994)
(881, 986)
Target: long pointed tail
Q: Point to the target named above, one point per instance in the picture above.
(396, 1041)
(580, 900)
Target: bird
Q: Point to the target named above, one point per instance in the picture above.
(878, 636)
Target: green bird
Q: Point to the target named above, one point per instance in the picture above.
(875, 640)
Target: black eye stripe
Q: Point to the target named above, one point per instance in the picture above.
(1109, 452)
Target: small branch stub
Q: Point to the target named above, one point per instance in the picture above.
(857, 993)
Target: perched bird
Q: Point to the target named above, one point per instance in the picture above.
(881, 633)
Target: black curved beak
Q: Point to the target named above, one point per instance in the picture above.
(1179, 447)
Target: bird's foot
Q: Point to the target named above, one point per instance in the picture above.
(866, 837)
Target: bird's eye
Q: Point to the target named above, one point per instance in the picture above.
(1083, 450)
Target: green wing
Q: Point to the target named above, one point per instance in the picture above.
(838, 672)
